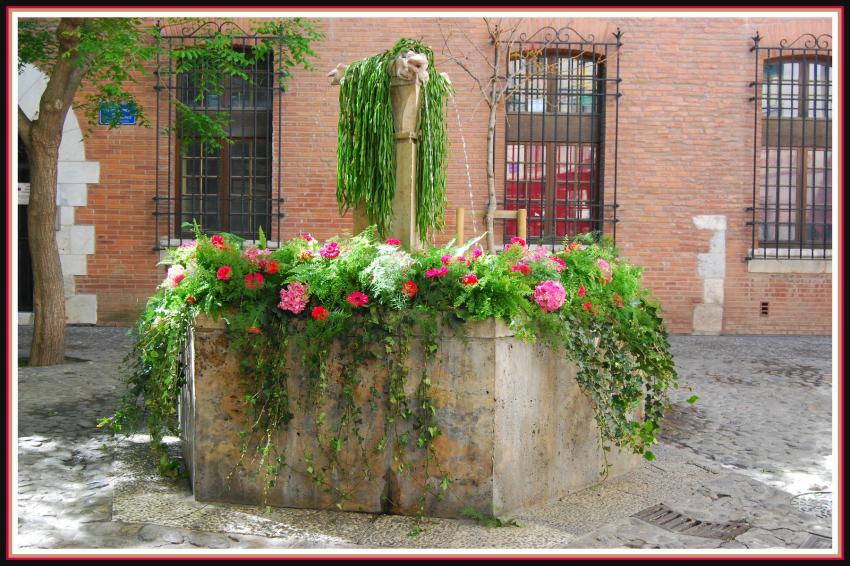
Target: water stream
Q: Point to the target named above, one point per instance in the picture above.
(468, 175)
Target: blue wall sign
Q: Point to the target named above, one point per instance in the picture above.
(126, 114)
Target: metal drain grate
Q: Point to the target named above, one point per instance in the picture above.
(671, 520)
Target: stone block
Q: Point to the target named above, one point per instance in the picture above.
(69, 285)
(82, 239)
(78, 172)
(713, 291)
(711, 266)
(517, 429)
(81, 309)
(708, 319)
(710, 222)
(72, 194)
(63, 240)
(66, 215)
(73, 264)
(803, 266)
(72, 148)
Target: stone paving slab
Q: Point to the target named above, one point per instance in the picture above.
(759, 436)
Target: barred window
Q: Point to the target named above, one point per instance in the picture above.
(228, 188)
(554, 137)
(792, 208)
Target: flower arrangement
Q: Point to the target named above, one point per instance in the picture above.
(583, 300)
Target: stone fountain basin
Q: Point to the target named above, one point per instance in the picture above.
(517, 430)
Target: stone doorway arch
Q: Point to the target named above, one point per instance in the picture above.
(76, 242)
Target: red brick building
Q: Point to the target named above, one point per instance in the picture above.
(720, 188)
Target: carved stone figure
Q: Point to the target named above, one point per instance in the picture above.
(410, 66)
(337, 73)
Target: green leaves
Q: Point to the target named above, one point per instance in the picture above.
(366, 142)
(692, 399)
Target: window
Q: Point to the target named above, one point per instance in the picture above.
(792, 212)
(554, 140)
(228, 188)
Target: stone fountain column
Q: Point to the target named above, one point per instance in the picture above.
(409, 73)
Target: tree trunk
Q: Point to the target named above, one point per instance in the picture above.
(491, 179)
(42, 137)
(495, 97)
(48, 339)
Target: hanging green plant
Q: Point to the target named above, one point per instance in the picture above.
(366, 151)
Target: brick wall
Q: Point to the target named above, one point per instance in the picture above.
(685, 149)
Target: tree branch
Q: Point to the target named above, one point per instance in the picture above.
(456, 60)
(24, 128)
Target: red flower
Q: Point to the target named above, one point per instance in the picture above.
(618, 300)
(518, 240)
(587, 306)
(320, 313)
(522, 268)
(191, 299)
(462, 259)
(307, 237)
(357, 299)
(582, 291)
(446, 259)
(218, 242)
(253, 330)
(271, 267)
(469, 279)
(254, 280)
(393, 242)
(410, 288)
(224, 272)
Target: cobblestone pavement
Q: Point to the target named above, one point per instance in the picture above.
(756, 448)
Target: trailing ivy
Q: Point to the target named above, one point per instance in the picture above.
(307, 320)
(366, 163)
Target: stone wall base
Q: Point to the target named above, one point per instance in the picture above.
(516, 430)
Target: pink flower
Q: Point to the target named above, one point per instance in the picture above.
(461, 259)
(469, 279)
(254, 280)
(605, 267)
(476, 253)
(433, 273)
(393, 242)
(410, 289)
(320, 313)
(294, 298)
(446, 259)
(251, 254)
(224, 272)
(560, 264)
(218, 242)
(549, 295)
(357, 299)
(582, 291)
(330, 250)
(522, 268)
(188, 245)
(307, 237)
(176, 274)
(518, 240)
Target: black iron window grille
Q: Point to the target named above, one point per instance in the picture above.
(229, 187)
(791, 214)
(561, 88)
